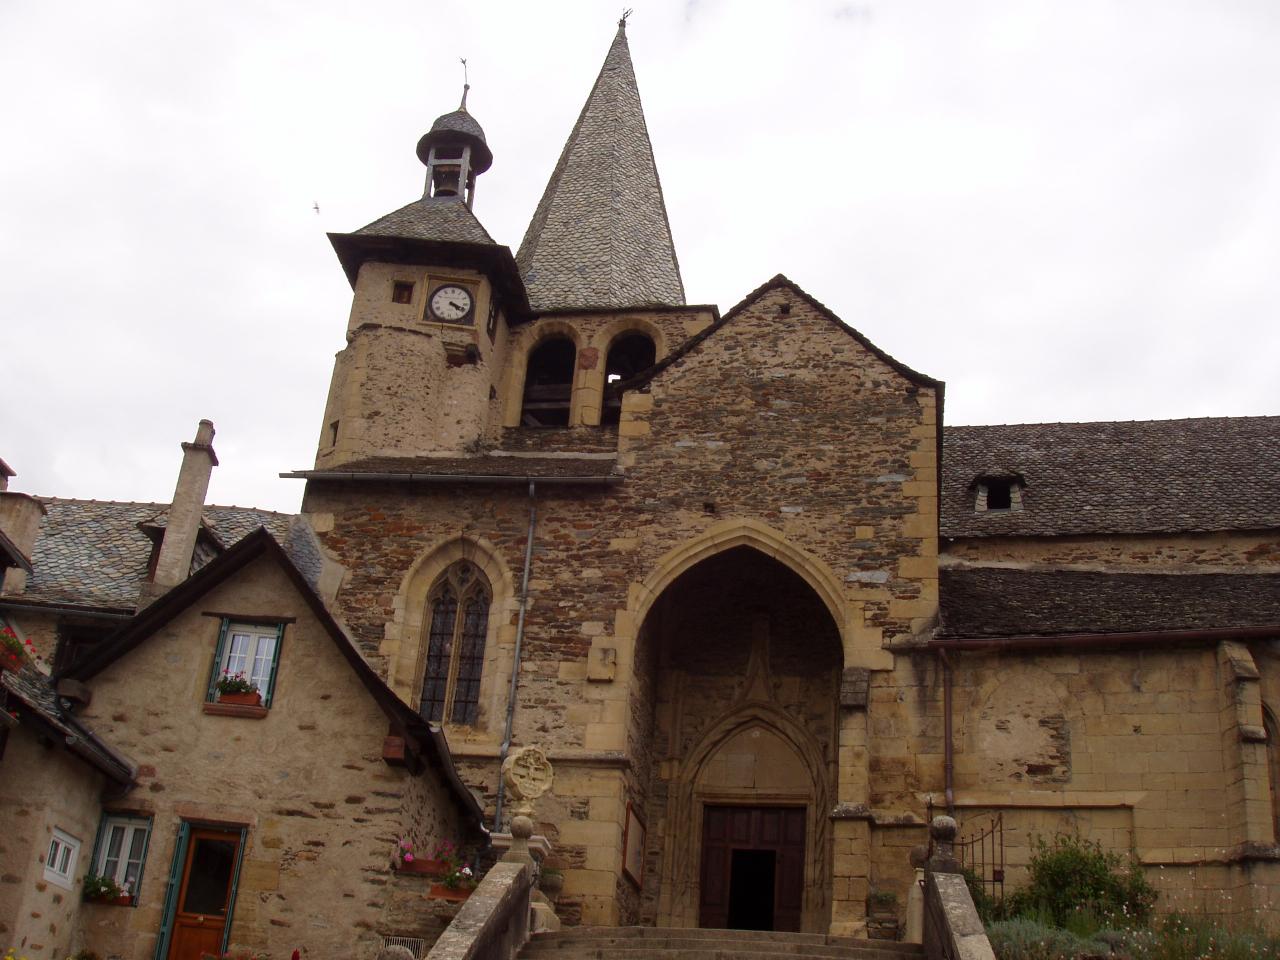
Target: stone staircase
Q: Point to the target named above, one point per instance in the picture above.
(665, 943)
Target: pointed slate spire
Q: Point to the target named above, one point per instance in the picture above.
(600, 237)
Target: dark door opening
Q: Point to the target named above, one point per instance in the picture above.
(752, 878)
(752, 870)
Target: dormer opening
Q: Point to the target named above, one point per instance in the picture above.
(548, 384)
(998, 492)
(629, 354)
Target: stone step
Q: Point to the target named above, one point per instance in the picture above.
(664, 943)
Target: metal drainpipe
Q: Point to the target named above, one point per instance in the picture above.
(948, 748)
(515, 665)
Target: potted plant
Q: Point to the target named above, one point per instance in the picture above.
(458, 878)
(882, 904)
(237, 688)
(14, 653)
(406, 861)
(105, 890)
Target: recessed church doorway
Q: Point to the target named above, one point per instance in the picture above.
(752, 867)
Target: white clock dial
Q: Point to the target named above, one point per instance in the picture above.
(451, 303)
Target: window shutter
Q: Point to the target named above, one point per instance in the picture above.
(211, 695)
(142, 867)
(235, 884)
(275, 667)
(95, 863)
(175, 882)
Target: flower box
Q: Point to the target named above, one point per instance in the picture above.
(425, 867)
(123, 900)
(252, 699)
(456, 894)
(9, 660)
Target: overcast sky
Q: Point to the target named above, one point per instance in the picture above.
(1067, 211)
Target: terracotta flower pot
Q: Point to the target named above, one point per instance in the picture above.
(124, 900)
(253, 699)
(429, 868)
(456, 894)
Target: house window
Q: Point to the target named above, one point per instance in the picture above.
(402, 292)
(60, 862)
(459, 607)
(999, 493)
(247, 650)
(122, 849)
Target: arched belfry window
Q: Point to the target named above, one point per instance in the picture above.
(548, 384)
(629, 354)
(459, 618)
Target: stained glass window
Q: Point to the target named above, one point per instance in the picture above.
(459, 605)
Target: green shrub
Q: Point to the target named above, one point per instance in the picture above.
(1075, 884)
(1179, 937)
(1023, 939)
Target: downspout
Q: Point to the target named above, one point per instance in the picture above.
(948, 746)
(515, 663)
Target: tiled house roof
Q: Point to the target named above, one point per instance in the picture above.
(994, 602)
(516, 467)
(1150, 476)
(93, 553)
(600, 237)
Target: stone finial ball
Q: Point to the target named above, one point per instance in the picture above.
(919, 855)
(943, 828)
(394, 952)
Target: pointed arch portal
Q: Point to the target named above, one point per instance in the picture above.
(738, 662)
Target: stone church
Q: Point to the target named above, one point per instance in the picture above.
(730, 570)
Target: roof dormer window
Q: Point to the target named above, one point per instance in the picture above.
(998, 493)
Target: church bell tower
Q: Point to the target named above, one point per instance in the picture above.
(433, 294)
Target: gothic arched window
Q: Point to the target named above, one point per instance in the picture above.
(459, 619)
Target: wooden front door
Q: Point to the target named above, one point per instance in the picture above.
(752, 868)
(205, 894)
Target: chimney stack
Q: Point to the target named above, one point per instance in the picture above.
(19, 527)
(183, 524)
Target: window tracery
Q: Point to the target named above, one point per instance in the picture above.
(459, 604)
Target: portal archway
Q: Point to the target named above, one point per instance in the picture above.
(738, 667)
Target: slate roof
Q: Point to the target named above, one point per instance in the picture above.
(32, 690)
(1146, 476)
(994, 602)
(92, 552)
(492, 467)
(600, 238)
(431, 218)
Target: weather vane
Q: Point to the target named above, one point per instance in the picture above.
(465, 83)
(625, 13)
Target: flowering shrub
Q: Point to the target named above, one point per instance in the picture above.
(21, 650)
(235, 683)
(459, 872)
(1071, 876)
(404, 851)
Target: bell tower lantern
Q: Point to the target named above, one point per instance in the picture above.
(455, 153)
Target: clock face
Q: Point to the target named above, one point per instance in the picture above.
(451, 303)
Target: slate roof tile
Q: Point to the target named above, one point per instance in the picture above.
(430, 218)
(600, 237)
(92, 552)
(993, 602)
(1127, 477)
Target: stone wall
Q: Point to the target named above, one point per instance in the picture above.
(323, 810)
(43, 786)
(1172, 553)
(779, 432)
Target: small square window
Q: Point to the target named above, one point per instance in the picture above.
(60, 861)
(122, 851)
(402, 292)
(246, 657)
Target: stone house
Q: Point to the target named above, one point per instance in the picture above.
(268, 826)
(760, 606)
